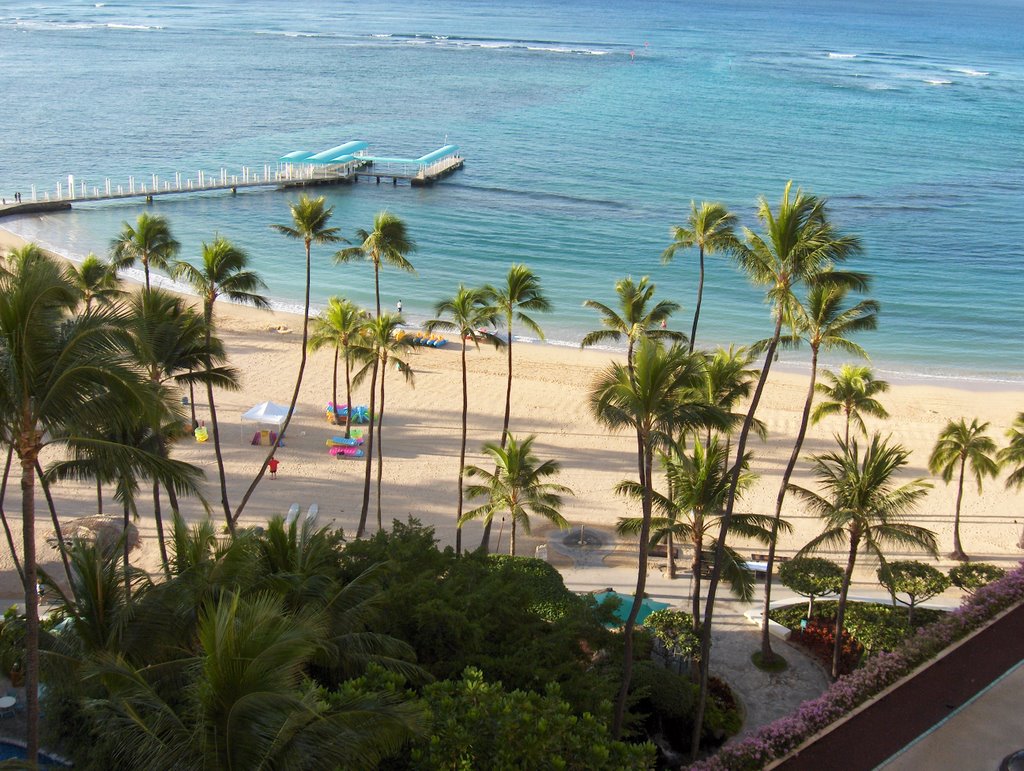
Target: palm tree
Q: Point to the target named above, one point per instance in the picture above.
(700, 484)
(799, 243)
(712, 229)
(959, 445)
(864, 509)
(825, 323)
(851, 392)
(96, 280)
(387, 244)
(380, 344)
(634, 319)
(54, 369)
(469, 311)
(1013, 455)
(729, 380)
(521, 292)
(339, 326)
(309, 225)
(150, 242)
(517, 487)
(646, 398)
(224, 271)
(169, 340)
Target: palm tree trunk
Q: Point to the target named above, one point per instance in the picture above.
(726, 522)
(512, 539)
(671, 557)
(841, 609)
(958, 551)
(145, 267)
(766, 644)
(348, 397)
(485, 544)
(3, 515)
(334, 391)
(376, 284)
(160, 528)
(380, 440)
(846, 436)
(369, 452)
(56, 522)
(462, 449)
(291, 406)
(638, 596)
(216, 446)
(28, 456)
(127, 564)
(99, 494)
(700, 295)
(192, 401)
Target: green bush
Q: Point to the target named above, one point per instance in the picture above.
(971, 576)
(811, 577)
(919, 581)
(674, 630)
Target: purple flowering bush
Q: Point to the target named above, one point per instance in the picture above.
(777, 739)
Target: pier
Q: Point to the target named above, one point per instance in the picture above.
(344, 164)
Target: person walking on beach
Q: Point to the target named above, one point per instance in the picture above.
(272, 465)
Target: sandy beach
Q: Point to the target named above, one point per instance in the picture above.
(421, 435)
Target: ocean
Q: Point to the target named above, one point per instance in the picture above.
(587, 127)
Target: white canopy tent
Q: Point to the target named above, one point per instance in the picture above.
(263, 414)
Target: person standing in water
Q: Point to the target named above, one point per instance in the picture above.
(399, 306)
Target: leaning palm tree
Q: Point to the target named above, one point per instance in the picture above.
(309, 225)
(1013, 456)
(388, 243)
(851, 392)
(712, 229)
(96, 280)
(169, 340)
(56, 370)
(224, 271)
(864, 509)
(150, 242)
(799, 243)
(958, 446)
(644, 397)
(825, 322)
(517, 487)
(339, 327)
(520, 292)
(468, 312)
(635, 319)
(380, 344)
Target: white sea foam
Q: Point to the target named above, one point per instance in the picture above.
(833, 55)
(142, 27)
(938, 82)
(971, 73)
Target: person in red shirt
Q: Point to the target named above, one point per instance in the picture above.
(273, 464)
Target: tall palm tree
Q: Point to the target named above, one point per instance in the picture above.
(309, 225)
(712, 229)
(388, 243)
(468, 312)
(958, 446)
(645, 398)
(150, 242)
(169, 340)
(380, 344)
(799, 243)
(520, 292)
(635, 319)
(96, 280)
(54, 369)
(825, 322)
(339, 327)
(864, 509)
(851, 392)
(517, 487)
(1013, 456)
(700, 484)
(223, 272)
(728, 380)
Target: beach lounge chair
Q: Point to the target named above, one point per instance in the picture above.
(293, 514)
(311, 514)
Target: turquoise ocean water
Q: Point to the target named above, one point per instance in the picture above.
(587, 126)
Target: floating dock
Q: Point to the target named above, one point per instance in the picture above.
(345, 164)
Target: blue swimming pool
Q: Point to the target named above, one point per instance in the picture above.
(9, 751)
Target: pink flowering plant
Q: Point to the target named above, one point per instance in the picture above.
(782, 736)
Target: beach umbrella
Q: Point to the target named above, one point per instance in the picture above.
(647, 607)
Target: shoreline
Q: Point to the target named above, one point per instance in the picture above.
(958, 380)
